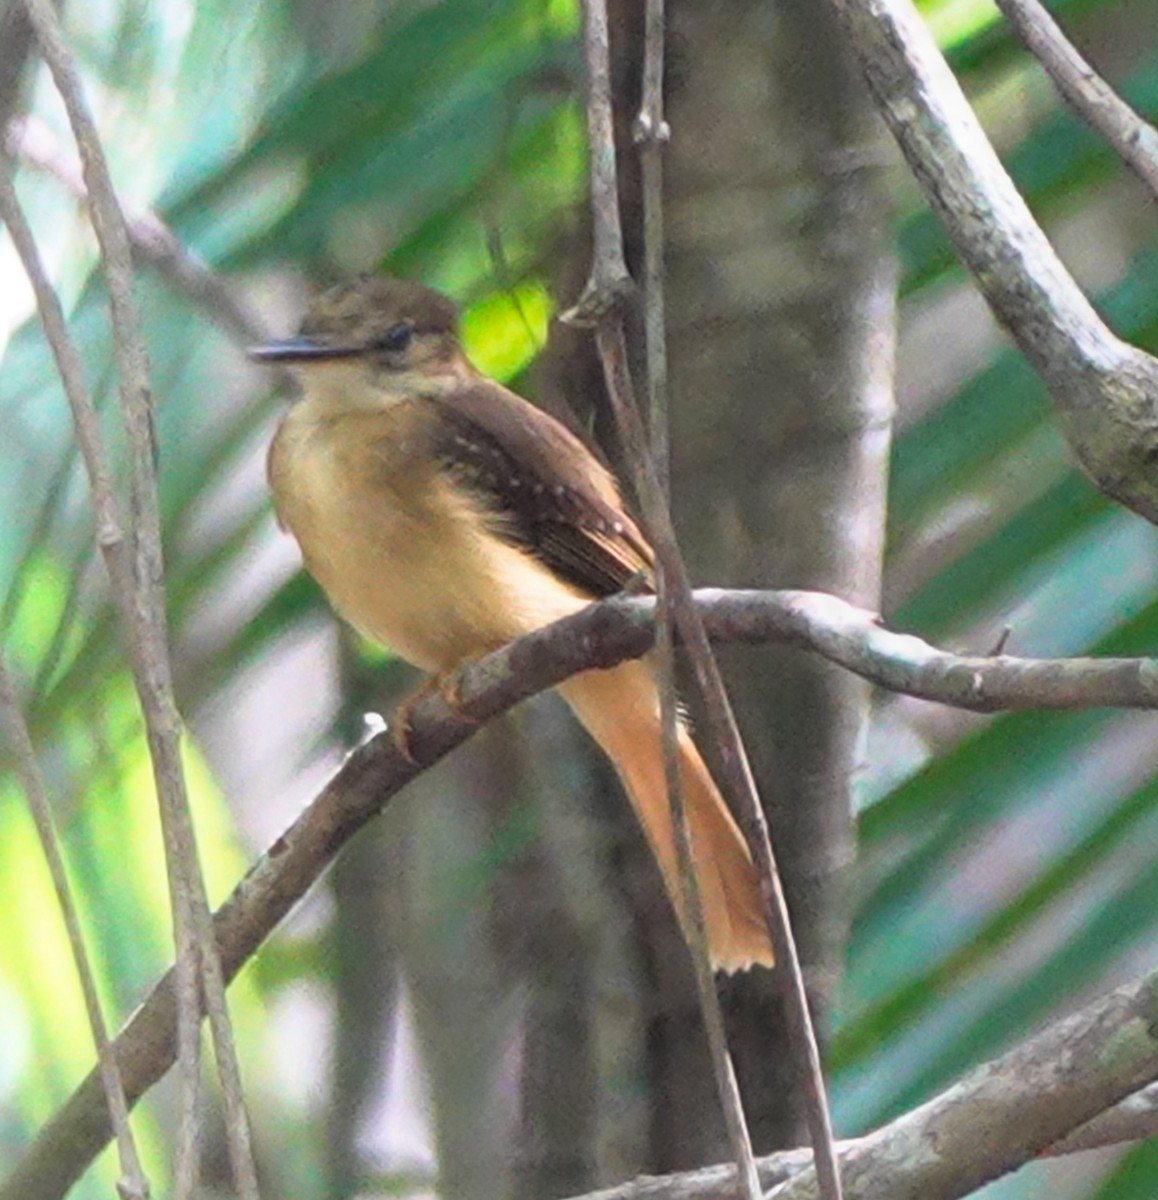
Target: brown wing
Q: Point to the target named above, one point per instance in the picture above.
(549, 493)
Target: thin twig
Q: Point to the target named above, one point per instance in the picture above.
(132, 1184)
(600, 304)
(111, 541)
(109, 537)
(609, 282)
(1086, 92)
(651, 135)
(193, 930)
(738, 771)
(599, 637)
(15, 47)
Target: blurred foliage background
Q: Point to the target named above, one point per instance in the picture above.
(463, 1008)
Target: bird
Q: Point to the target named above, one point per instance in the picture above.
(444, 516)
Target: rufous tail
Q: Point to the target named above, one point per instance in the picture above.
(620, 709)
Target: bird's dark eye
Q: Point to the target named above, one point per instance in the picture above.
(395, 339)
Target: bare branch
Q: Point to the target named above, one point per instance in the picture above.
(1105, 391)
(602, 635)
(855, 638)
(1086, 92)
(1005, 1112)
(999, 1117)
(651, 135)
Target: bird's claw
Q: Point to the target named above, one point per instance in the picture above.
(448, 685)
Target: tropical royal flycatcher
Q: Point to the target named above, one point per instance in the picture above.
(445, 516)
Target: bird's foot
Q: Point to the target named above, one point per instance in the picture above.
(448, 685)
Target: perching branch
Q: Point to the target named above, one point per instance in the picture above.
(1105, 391)
(1084, 90)
(602, 635)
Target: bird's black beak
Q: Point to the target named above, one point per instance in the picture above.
(300, 349)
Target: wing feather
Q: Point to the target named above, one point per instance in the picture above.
(548, 492)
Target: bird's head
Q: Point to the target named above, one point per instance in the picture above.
(366, 342)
